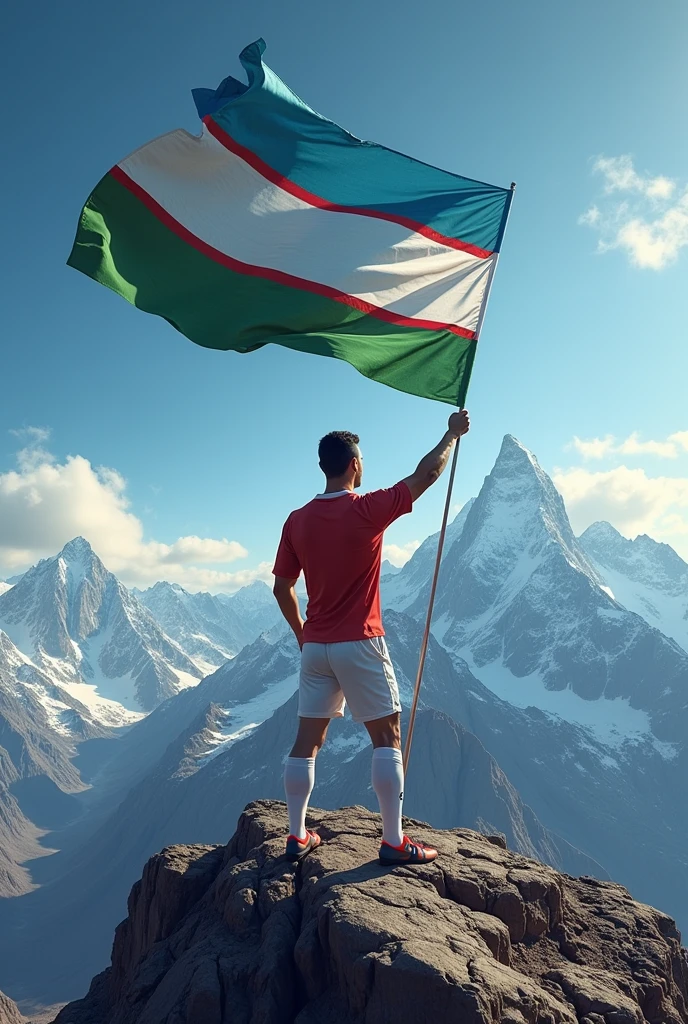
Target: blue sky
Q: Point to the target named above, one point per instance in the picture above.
(586, 331)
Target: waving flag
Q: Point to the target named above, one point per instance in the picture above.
(275, 225)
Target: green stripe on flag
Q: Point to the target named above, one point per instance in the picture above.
(122, 244)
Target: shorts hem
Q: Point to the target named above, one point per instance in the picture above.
(315, 714)
(361, 719)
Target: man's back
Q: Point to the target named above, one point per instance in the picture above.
(336, 539)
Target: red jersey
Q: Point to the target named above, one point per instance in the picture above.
(337, 541)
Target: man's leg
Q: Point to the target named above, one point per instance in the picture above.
(299, 771)
(366, 676)
(388, 774)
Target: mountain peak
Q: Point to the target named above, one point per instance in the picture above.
(514, 456)
(77, 548)
(601, 531)
(164, 586)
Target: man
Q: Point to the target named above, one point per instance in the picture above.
(336, 540)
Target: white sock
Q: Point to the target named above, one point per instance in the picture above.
(299, 779)
(388, 783)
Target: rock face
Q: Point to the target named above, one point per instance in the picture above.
(238, 934)
(9, 1014)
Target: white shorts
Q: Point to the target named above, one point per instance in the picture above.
(356, 672)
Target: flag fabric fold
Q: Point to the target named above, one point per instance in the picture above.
(275, 225)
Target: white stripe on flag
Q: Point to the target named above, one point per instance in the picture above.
(229, 205)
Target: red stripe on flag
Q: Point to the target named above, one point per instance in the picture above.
(323, 204)
(278, 276)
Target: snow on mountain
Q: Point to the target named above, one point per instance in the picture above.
(202, 777)
(645, 576)
(4, 587)
(255, 607)
(582, 703)
(49, 704)
(522, 602)
(39, 726)
(200, 624)
(80, 626)
(387, 569)
(211, 629)
(412, 581)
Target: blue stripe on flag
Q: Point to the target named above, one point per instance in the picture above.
(270, 120)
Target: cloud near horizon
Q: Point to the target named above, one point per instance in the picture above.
(631, 500)
(44, 504)
(650, 222)
(601, 447)
(399, 554)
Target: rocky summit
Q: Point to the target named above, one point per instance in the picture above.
(9, 1014)
(238, 934)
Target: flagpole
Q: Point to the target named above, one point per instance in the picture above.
(447, 505)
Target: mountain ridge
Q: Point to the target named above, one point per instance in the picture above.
(80, 625)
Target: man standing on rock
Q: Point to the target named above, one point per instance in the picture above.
(336, 540)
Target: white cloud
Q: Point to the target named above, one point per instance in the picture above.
(32, 435)
(663, 449)
(591, 216)
(621, 176)
(602, 447)
(680, 438)
(399, 554)
(44, 504)
(660, 188)
(650, 230)
(596, 448)
(630, 499)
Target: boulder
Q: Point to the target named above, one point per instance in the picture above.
(240, 934)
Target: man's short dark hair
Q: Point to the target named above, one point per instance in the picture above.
(336, 450)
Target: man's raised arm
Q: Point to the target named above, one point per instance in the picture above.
(431, 466)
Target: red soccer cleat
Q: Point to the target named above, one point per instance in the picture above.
(408, 853)
(298, 848)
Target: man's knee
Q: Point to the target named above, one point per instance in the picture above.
(310, 737)
(385, 732)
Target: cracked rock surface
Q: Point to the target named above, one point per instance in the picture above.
(9, 1014)
(238, 934)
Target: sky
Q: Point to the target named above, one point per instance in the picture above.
(181, 463)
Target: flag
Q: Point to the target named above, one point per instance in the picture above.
(275, 225)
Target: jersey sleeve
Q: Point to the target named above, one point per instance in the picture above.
(383, 507)
(287, 563)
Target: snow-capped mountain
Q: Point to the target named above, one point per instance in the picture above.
(648, 577)
(77, 623)
(522, 602)
(211, 629)
(39, 724)
(200, 624)
(412, 582)
(552, 709)
(583, 704)
(387, 569)
(4, 587)
(255, 608)
(49, 705)
(204, 776)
